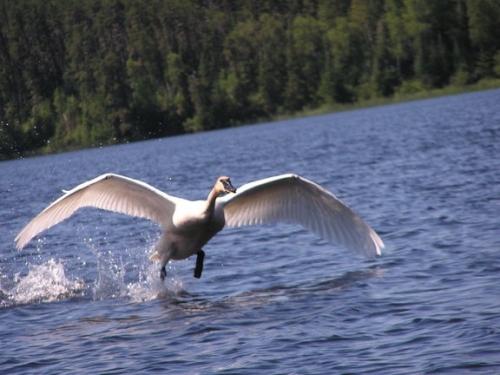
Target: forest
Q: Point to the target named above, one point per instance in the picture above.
(83, 73)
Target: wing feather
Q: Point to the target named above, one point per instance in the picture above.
(109, 192)
(293, 199)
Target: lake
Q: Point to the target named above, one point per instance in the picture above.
(83, 297)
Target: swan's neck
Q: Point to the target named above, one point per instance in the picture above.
(214, 193)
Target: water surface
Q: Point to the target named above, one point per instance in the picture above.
(83, 298)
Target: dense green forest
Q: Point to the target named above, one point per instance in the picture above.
(77, 73)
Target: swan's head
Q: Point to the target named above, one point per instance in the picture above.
(224, 186)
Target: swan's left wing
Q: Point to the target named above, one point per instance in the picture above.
(293, 199)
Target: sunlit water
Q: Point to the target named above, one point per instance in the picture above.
(83, 298)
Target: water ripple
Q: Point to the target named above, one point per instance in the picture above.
(85, 299)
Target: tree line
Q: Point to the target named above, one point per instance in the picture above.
(77, 73)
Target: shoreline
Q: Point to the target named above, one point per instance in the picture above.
(483, 85)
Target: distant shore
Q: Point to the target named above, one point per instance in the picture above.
(483, 85)
(487, 84)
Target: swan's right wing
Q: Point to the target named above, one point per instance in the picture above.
(293, 199)
(109, 192)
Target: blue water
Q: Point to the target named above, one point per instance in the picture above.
(83, 298)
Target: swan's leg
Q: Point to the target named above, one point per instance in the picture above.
(164, 251)
(199, 264)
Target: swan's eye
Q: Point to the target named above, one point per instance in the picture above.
(226, 183)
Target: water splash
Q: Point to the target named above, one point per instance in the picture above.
(106, 269)
(111, 277)
(44, 283)
(114, 278)
(138, 280)
(149, 286)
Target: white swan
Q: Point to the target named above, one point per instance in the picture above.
(189, 225)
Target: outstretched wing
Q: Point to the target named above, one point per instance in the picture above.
(109, 192)
(293, 199)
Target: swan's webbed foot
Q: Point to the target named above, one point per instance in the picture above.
(199, 264)
(163, 273)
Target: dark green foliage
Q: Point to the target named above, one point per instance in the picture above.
(79, 73)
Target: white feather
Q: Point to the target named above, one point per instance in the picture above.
(109, 192)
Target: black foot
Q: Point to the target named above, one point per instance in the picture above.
(163, 273)
(199, 264)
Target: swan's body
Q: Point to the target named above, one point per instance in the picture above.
(189, 225)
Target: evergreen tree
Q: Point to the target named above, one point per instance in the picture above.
(89, 72)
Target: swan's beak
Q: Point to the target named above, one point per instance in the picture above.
(228, 187)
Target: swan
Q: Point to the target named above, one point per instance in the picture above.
(189, 225)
